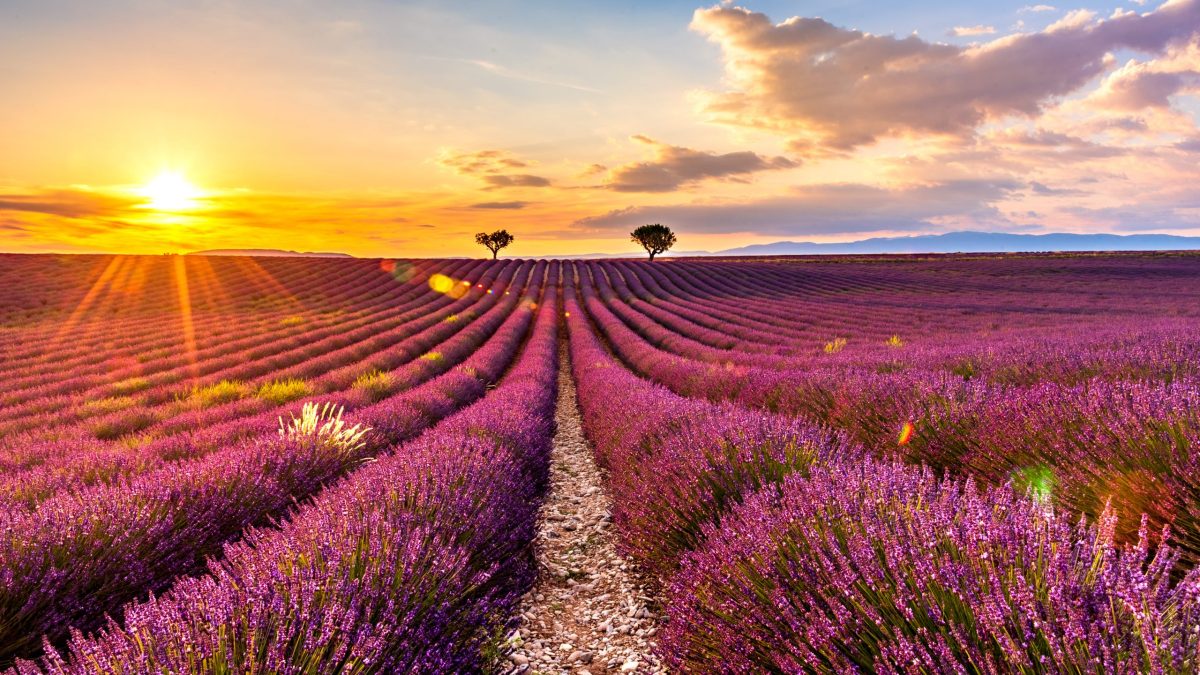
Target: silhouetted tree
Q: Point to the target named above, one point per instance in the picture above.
(654, 238)
(495, 241)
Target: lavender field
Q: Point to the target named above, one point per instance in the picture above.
(947, 463)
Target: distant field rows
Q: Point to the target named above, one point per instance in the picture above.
(310, 465)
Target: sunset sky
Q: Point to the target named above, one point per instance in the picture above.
(402, 128)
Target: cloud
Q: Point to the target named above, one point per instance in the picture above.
(1138, 85)
(1073, 20)
(829, 209)
(1036, 8)
(1142, 217)
(68, 203)
(1167, 206)
(493, 167)
(1190, 145)
(1148, 90)
(14, 228)
(518, 180)
(1046, 191)
(480, 162)
(838, 88)
(500, 205)
(592, 170)
(1051, 146)
(971, 31)
(674, 166)
(508, 73)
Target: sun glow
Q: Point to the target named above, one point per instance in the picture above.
(170, 191)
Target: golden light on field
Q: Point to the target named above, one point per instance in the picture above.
(171, 191)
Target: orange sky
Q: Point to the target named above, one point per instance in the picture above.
(400, 130)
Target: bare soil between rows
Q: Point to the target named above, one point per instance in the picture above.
(589, 612)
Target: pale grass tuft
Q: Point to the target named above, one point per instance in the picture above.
(324, 423)
(835, 346)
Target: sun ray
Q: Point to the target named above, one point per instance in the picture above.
(264, 280)
(99, 286)
(185, 314)
(119, 296)
(209, 283)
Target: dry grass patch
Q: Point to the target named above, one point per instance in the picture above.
(375, 384)
(284, 391)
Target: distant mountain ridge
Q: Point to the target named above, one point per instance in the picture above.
(977, 242)
(270, 252)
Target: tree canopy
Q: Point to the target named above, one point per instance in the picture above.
(654, 238)
(495, 241)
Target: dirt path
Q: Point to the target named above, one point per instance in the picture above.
(587, 613)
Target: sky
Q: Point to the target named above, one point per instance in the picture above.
(382, 128)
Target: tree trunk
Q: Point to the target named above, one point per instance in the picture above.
(495, 253)
(651, 256)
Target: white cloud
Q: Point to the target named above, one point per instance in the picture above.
(1073, 20)
(970, 31)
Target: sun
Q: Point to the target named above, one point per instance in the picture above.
(170, 191)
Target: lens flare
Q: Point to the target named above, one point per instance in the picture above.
(906, 433)
(1038, 481)
(444, 284)
(441, 283)
(400, 270)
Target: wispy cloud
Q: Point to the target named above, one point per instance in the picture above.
(517, 180)
(493, 167)
(502, 206)
(68, 203)
(508, 73)
(971, 31)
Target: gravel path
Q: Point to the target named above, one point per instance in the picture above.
(588, 612)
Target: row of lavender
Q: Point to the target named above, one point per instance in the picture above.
(1121, 431)
(76, 464)
(1007, 338)
(412, 564)
(82, 332)
(785, 548)
(139, 520)
(236, 382)
(168, 373)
